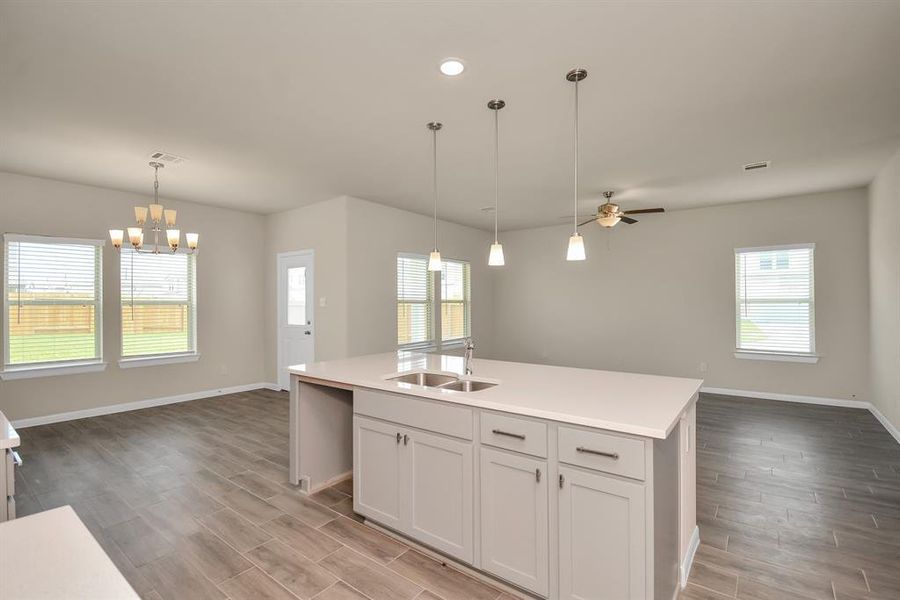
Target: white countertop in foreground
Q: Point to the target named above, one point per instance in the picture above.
(646, 405)
(52, 555)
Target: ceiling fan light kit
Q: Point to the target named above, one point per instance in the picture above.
(158, 214)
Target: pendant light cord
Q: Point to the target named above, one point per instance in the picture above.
(575, 217)
(496, 172)
(434, 180)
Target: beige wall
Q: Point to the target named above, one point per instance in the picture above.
(229, 296)
(658, 297)
(884, 290)
(356, 244)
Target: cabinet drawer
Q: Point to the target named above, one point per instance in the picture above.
(424, 414)
(602, 452)
(514, 433)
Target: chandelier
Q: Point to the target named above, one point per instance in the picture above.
(157, 215)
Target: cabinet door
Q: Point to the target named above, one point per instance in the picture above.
(440, 495)
(376, 471)
(602, 537)
(514, 519)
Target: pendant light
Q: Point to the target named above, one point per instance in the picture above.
(495, 258)
(434, 261)
(576, 242)
(158, 214)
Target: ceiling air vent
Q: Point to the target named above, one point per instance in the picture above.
(755, 166)
(167, 159)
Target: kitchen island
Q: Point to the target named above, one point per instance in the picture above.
(561, 482)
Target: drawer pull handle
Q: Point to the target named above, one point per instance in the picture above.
(537, 475)
(16, 458)
(518, 436)
(405, 439)
(562, 481)
(612, 455)
(399, 437)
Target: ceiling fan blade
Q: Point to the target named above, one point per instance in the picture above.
(643, 211)
(628, 220)
(591, 220)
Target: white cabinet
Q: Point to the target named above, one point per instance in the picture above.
(514, 519)
(602, 537)
(417, 483)
(440, 493)
(376, 463)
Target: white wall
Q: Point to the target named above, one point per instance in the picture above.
(356, 244)
(658, 296)
(884, 294)
(229, 296)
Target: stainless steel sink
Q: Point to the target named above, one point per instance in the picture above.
(426, 379)
(467, 385)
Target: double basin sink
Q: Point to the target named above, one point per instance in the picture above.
(442, 381)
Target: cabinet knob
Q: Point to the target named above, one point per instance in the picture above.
(405, 439)
(537, 475)
(562, 481)
(398, 437)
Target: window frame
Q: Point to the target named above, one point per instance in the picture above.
(162, 358)
(778, 355)
(435, 343)
(467, 303)
(56, 367)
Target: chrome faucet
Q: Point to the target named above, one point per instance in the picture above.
(470, 349)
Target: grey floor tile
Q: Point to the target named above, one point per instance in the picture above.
(369, 577)
(364, 540)
(302, 577)
(448, 583)
(235, 529)
(253, 584)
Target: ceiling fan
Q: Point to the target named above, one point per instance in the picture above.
(608, 214)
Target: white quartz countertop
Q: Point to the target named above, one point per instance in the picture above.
(645, 405)
(8, 436)
(52, 555)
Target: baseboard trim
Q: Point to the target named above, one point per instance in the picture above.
(136, 405)
(862, 404)
(884, 421)
(787, 397)
(688, 562)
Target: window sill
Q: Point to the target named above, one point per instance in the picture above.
(51, 370)
(153, 361)
(778, 357)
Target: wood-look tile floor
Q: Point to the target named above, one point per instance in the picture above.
(191, 501)
(794, 501)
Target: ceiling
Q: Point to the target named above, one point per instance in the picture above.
(282, 104)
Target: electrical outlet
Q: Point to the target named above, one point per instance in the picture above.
(704, 367)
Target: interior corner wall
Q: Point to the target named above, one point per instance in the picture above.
(884, 291)
(376, 233)
(229, 338)
(658, 297)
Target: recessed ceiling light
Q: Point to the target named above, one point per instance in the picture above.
(452, 67)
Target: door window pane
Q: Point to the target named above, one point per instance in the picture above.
(296, 292)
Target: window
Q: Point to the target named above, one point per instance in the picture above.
(455, 300)
(296, 301)
(53, 303)
(418, 293)
(775, 301)
(415, 300)
(159, 307)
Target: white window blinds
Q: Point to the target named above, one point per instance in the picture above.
(455, 300)
(775, 300)
(414, 300)
(159, 307)
(53, 296)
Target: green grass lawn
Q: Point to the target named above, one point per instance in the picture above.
(74, 346)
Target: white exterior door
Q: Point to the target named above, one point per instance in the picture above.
(514, 519)
(440, 493)
(602, 537)
(377, 487)
(296, 323)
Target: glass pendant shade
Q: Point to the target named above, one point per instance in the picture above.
(135, 236)
(140, 214)
(192, 239)
(173, 236)
(156, 211)
(434, 261)
(116, 236)
(576, 248)
(170, 217)
(495, 259)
